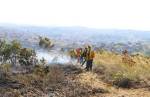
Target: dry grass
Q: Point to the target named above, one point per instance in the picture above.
(113, 69)
(5, 71)
(72, 81)
(33, 84)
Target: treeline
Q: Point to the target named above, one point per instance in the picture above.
(13, 53)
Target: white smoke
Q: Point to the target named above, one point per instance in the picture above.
(55, 57)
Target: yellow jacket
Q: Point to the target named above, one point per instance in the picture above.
(91, 55)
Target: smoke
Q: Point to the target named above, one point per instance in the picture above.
(55, 58)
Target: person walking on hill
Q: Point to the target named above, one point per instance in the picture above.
(90, 57)
(83, 56)
(78, 54)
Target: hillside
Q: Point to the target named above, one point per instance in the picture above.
(35, 62)
(71, 80)
(67, 81)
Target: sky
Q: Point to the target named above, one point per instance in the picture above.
(105, 14)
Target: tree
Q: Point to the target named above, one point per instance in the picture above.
(45, 42)
(27, 56)
(6, 52)
(15, 50)
(2, 45)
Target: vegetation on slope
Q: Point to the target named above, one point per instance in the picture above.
(45, 42)
(117, 72)
(13, 53)
(70, 81)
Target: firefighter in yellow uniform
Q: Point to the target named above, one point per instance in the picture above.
(90, 57)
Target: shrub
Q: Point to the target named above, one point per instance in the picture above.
(5, 71)
(120, 80)
(49, 74)
(45, 42)
(39, 70)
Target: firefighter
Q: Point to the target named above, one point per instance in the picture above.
(89, 58)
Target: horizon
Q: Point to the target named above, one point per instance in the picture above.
(44, 26)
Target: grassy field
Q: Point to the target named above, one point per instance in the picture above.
(114, 70)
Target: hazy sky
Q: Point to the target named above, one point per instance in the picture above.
(121, 14)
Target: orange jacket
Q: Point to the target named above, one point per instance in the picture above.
(78, 52)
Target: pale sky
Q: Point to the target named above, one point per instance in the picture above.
(118, 14)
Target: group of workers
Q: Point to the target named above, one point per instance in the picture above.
(85, 55)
